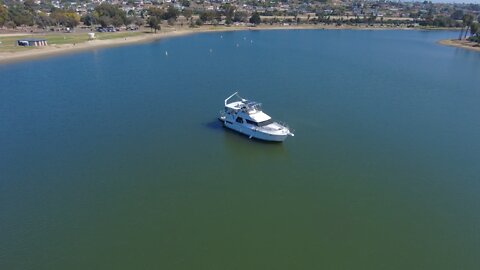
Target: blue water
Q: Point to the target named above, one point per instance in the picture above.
(114, 159)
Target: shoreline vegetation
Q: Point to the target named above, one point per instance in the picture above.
(63, 43)
(65, 26)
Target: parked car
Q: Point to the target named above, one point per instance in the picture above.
(132, 27)
(107, 29)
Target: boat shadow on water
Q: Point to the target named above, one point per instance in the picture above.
(215, 125)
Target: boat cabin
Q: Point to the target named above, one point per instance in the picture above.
(248, 112)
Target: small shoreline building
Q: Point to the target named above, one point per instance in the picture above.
(32, 42)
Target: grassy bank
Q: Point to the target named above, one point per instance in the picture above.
(8, 43)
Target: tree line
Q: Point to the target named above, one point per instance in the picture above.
(469, 25)
(28, 13)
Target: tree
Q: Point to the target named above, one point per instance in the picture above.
(10, 24)
(118, 21)
(429, 19)
(66, 18)
(372, 18)
(155, 17)
(187, 13)
(138, 21)
(104, 21)
(207, 16)
(143, 12)
(457, 14)
(229, 12)
(467, 22)
(20, 16)
(474, 28)
(155, 12)
(443, 21)
(117, 16)
(172, 13)
(240, 16)
(217, 16)
(255, 19)
(3, 15)
(30, 5)
(88, 19)
(72, 19)
(42, 20)
(475, 31)
(154, 23)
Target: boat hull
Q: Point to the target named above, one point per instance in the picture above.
(252, 133)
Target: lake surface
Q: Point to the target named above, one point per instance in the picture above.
(115, 159)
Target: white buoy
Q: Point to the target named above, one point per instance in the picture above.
(166, 53)
(251, 41)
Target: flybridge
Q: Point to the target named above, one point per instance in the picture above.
(244, 104)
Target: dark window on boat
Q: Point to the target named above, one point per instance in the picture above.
(239, 120)
(265, 123)
(251, 122)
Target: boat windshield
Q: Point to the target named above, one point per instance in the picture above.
(260, 124)
(253, 106)
(265, 123)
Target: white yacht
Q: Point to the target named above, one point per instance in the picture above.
(246, 117)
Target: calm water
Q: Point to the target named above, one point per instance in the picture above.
(114, 159)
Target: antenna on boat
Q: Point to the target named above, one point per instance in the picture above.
(232, 95)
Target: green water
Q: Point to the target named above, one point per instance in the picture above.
(114, 159)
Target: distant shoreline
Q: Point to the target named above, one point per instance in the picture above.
(463, 44)
(53, 50)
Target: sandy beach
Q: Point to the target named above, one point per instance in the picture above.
(464, 44)
(50, 50)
